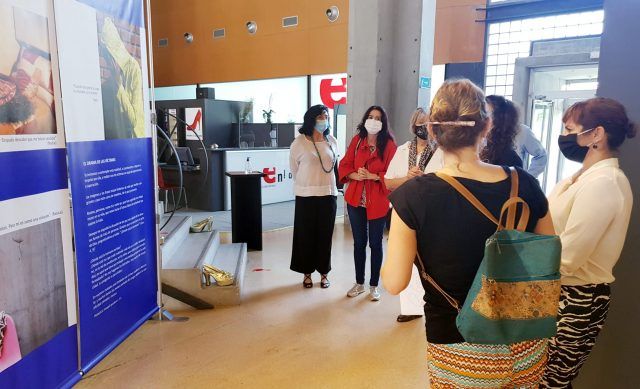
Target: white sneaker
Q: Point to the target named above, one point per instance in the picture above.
(374, 293)
(355, 290)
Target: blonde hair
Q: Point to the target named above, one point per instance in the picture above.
(417, 114)
(455, 101)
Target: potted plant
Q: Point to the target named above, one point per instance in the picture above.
(266, 113)
(247, 110)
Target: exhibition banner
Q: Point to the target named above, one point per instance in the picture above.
(38, 331)
(104, 86)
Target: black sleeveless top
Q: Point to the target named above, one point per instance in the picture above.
(451, 235)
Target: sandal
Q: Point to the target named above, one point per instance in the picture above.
(307, 282)
(324, 281)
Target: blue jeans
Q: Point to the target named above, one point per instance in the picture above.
(366, 230)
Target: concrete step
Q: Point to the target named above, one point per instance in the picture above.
(228, 257)
(174, 233)
(194, 251)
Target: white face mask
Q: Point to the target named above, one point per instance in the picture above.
(373, 126)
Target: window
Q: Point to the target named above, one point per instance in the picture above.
(286, 97)
(508, 41)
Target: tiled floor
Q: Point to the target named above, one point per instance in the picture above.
(282, 336)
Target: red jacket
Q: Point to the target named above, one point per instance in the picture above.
(377, 192)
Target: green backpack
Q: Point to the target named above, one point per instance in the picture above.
(515, 293)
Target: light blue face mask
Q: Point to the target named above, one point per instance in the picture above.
(321, 126)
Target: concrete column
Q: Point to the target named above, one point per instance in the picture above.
(390, 48)
(615, 358)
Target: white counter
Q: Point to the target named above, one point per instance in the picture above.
(277, 185)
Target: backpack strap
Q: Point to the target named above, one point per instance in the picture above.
(511, 215)
(467, 195)
(510, 207)
(423, 273)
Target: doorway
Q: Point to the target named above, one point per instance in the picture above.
(552, 90)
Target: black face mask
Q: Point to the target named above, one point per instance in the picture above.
(421, 132)
(571, 149)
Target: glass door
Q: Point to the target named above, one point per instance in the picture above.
(541, 115)
(553, 91)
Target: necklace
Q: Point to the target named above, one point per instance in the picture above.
(333, 158)
(425, 156)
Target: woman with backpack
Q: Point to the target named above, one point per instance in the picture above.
(591, 212)
(363, 168)
(433, 223)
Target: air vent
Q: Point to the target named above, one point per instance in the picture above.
(290, 21)
(219, 33)
(164, 42)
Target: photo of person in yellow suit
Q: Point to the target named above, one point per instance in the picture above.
(121, 75)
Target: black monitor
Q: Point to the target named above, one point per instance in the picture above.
(185, 156)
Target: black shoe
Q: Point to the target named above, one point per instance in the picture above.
(307, 282)
(324, 281)
(406, 318)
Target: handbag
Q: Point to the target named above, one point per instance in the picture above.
(515, 293)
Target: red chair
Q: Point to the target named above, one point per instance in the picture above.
(170, 189)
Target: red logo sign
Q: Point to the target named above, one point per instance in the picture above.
(328, 92)
(269, 175)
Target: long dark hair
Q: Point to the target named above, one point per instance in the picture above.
(309, 123)
(383, 136)
(503, 132)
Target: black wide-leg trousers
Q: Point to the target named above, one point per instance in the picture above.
(313, 225)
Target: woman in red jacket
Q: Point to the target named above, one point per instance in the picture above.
(364, 167)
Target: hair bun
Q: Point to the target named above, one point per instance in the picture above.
(631, 130)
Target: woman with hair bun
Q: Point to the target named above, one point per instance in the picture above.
(591, 212)
(434, 220)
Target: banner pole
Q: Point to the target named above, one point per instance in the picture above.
(154, 140)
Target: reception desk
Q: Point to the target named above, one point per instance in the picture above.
(211, 190)
(277, 184)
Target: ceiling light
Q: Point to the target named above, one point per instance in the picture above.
(252, 27)
(333, 13)
(188, 37)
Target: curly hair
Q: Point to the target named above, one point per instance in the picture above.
(503, 132)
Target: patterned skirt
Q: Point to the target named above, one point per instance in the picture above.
(467, 365)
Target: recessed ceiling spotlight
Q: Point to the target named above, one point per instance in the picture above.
(188, 37)
(252, 27)
(333, 13)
